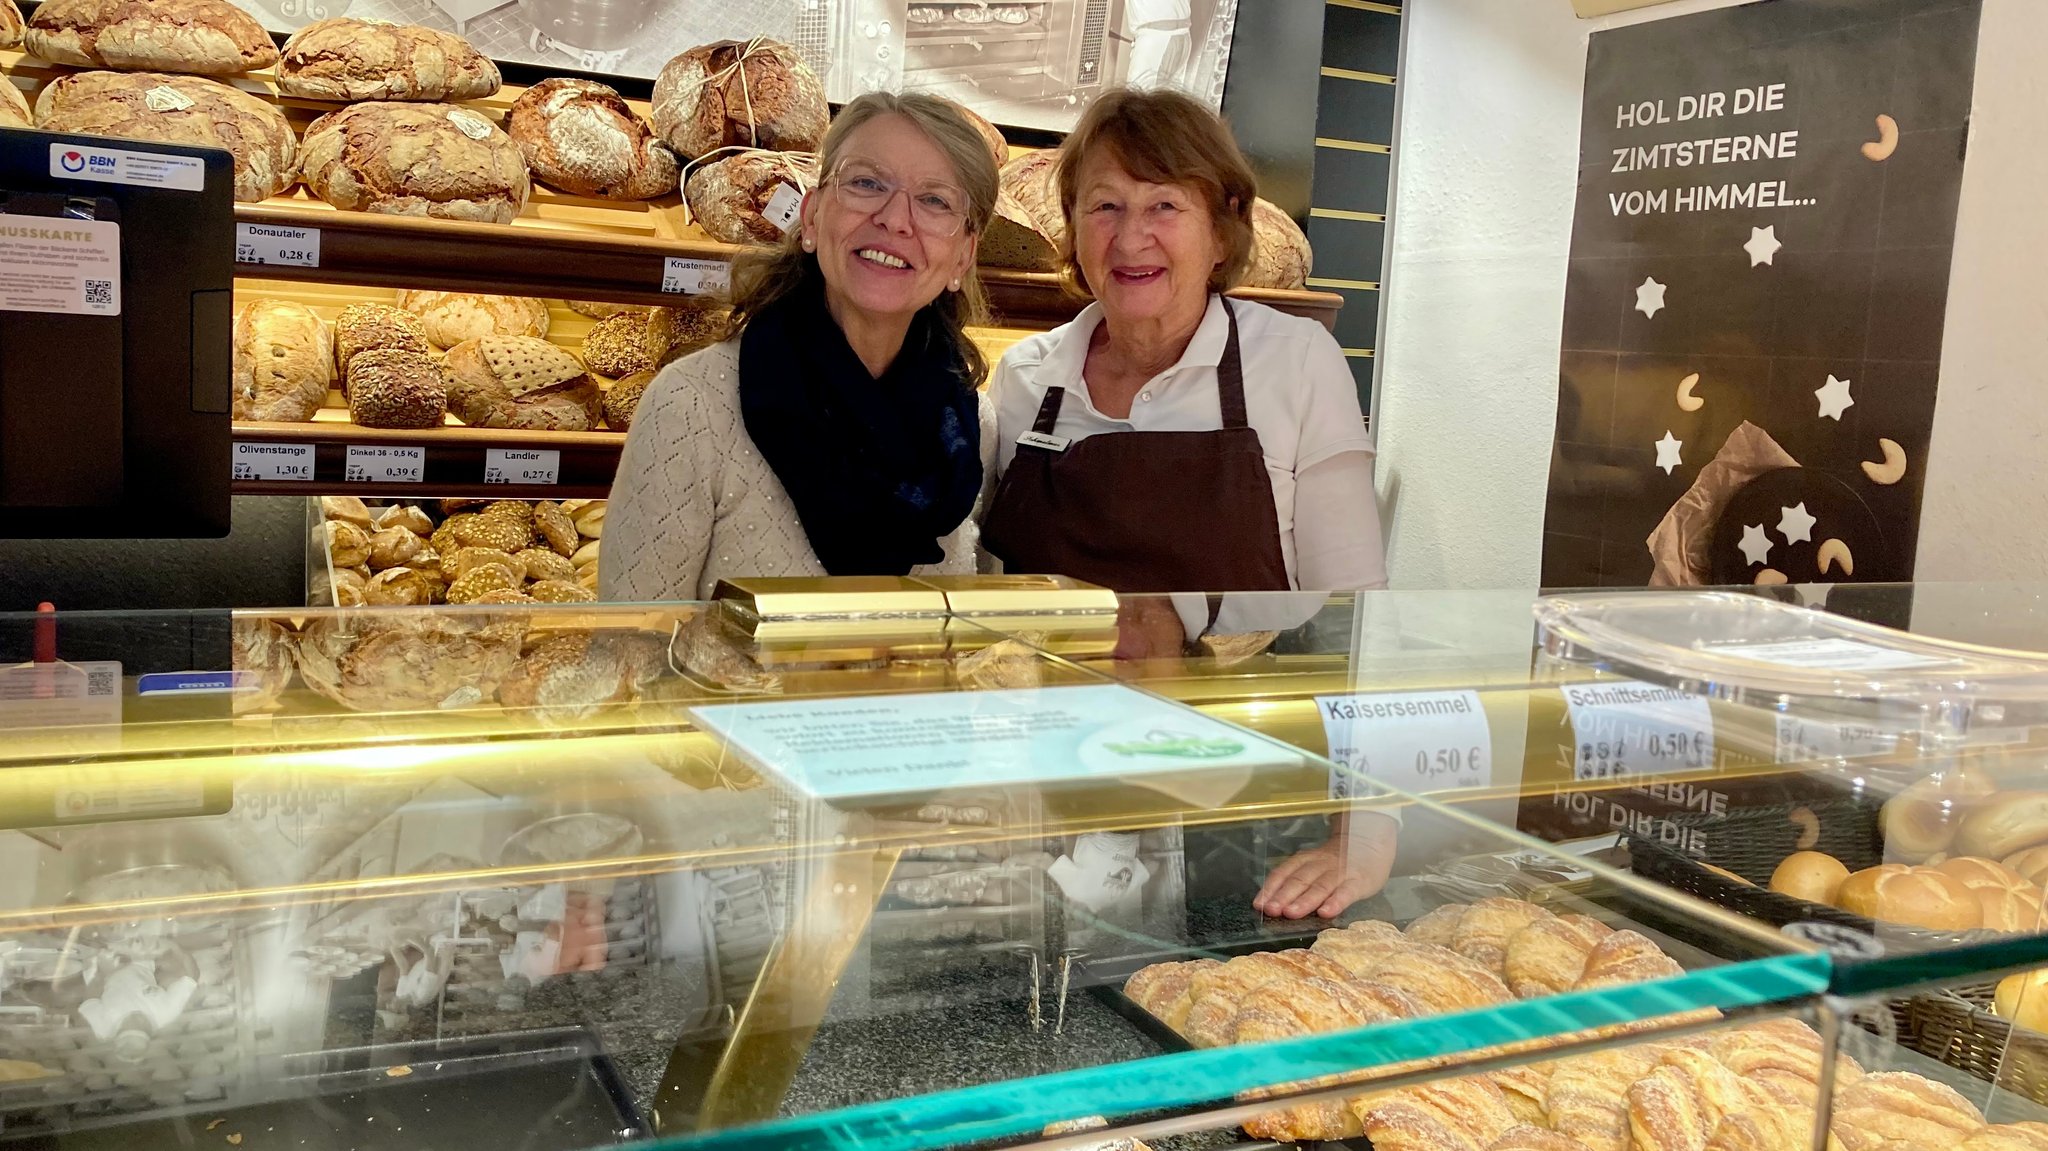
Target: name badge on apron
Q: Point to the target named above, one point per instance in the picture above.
(1044, 440)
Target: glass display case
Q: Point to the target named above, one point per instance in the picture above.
(892, 865)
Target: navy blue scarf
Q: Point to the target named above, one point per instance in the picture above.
(879, 469)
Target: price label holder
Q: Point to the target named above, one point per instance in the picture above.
(1626, 728)
(695, 277)
(272, 244)
(1413, 741)
(290, 462)
(523, 466)
(1804, 740)
(378, 464)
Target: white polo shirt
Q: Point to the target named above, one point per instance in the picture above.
(1298, 395)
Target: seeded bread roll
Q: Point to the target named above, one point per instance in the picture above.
(351, 60)
(395, 389)
(283, 361)
(1280, 252)
(209, 37)
(755, 94)
(179, 110)
(519, 382)
(673, 333)
(449, 318)
(10, 26)
(617, 346)
(622, 398)
(361, 327)
(602, 310)
(735, 200)
(416, 160)
(580, 136)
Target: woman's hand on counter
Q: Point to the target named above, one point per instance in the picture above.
(1324, 880)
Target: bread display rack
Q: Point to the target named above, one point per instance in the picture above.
(561, 247)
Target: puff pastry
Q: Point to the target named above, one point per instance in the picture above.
(1526, 1088)
(1548, 956)
(1438, 926)
(1163, 986)
(1443, 979)
(1483, 932)
(1588, 1098)
(2009, 1137)
(1901, 1107)
(1529, 1137)
(1463, 1114)
(1626, 957)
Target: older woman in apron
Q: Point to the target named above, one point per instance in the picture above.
(1171, 440)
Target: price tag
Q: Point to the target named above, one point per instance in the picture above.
(270, 244)
(1629, 728)
(1413, 741)
(1803, 740)
(385, 465)
(783, 207)
(695, 277)
(274, 462)
(522, 466)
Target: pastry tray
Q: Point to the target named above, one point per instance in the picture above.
(543, 1090)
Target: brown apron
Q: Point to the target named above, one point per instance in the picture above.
(1144, 512)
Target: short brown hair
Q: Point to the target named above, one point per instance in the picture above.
(1165, 137)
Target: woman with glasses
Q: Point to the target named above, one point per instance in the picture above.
(838, 430)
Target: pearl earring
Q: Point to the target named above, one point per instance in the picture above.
(956, 286)
(810, 245)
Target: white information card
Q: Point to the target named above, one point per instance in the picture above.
(1414, 741)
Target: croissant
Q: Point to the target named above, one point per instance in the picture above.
(1678, 1106)
(1549, 955)
(1358, 950)
(1162, 988)
(1783, 1055)
(1289, 1007)
(2009, 1137)
(1463, 1114)
(1438, 926)
(1443, 979)
(1899, 1106)
(1626, 957)
(1482, 934)
(1588, 1096)
(1528, 1137)
(1215, 993)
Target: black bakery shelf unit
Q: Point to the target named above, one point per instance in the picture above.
(453, 461)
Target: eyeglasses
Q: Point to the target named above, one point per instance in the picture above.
(939, 209)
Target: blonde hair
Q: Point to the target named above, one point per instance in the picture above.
(1165, 137)
(761, 276)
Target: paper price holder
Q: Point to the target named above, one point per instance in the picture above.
(116, 304)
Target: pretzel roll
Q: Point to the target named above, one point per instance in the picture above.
(1810, 875)
(2004, 824)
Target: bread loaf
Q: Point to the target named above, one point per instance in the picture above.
(1031, 180)
(361, 327)
(519, 382)
(14, 109)
(265, 655)
(1913, 896)
(673, 333)
(755, 94)
(2004, 824)
(347, 509)
(581, 137)
(1810, 875)
(1280, 252)
(283, 361)
(1015, 241)
(1974, 872)
(351, 60)
(415, 160)
(395, 389)
(2030, 864)
(998, 147)
(622, 397)
(618, 346)
(407, 516)
(449, 318)
(210, 37)
(604, 310)
(2023, 999)
(10, 25)
(178, 110)
(410, 661)
(751, 197)
(398, 587)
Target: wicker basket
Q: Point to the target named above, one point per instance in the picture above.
(1958, 1027)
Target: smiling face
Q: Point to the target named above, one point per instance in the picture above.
(1146, 249)
(880, 263)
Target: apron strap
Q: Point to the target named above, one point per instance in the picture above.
(1230, 375)
(1049, 410)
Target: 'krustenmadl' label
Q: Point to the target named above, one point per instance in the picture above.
(62, 266)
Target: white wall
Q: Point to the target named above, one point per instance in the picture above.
(1466, 400)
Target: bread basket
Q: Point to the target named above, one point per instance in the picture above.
(1958, 1027)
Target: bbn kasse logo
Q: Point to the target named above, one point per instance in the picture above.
(73, 162)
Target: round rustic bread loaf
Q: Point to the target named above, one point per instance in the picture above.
(520, 382)
(10, 25)
(673, 333)
(264, 654)
(361, 327)
(449, 318)
(14, 109)
(617, 346)
(581, 137)
(1280, 252)
(622, 397)
(178, 110)
(732, 199)
(1014, 239)
(756, 94)
(1030, 180)
(998, 147)
(408, 661)
(388, 388)
(415, 160)
(283, 361)
(210, 37)
(344, 59)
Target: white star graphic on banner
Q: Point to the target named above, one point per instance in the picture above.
(1834, 398)
(1814, 594)
(1797, 525)
(1650, 297)
(1763, 245)
(1755, 545)
(1667, 452)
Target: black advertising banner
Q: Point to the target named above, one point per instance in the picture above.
(1753, 313)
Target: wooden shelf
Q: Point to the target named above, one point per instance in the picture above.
(454, 463)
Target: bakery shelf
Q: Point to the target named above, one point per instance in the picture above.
(453, 466)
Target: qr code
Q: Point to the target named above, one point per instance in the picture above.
(99, 292)
(100, 681)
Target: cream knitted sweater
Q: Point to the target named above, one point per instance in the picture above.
(695, 503)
